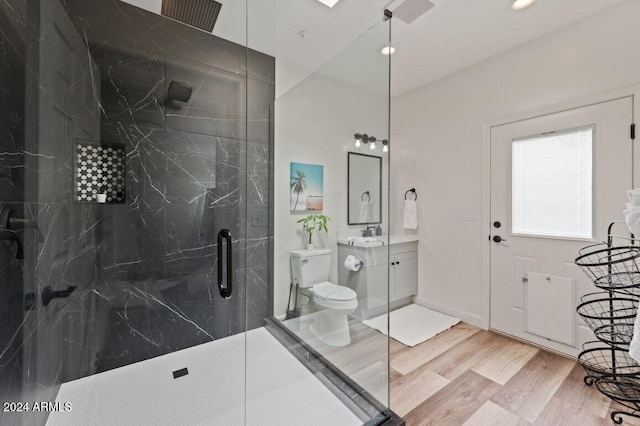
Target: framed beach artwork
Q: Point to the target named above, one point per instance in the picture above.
(306, 187)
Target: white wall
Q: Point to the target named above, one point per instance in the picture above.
(437, 136)
(315, 123)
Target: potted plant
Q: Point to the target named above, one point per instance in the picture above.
(313, 222)
(101, 194)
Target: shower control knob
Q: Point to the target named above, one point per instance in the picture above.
(498, 239)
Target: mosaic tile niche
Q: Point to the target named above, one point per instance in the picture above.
(99, 170)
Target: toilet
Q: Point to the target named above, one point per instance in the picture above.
(310, 270)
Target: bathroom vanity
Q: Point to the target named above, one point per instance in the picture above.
(397, 255)
(403, 272)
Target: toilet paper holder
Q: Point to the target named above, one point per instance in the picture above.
(353, 263)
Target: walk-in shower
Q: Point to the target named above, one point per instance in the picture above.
(145, 227)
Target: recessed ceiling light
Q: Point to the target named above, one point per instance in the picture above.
(329, 3)
(388, 50)
(521, 4)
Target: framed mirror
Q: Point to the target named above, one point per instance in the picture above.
(364, 189)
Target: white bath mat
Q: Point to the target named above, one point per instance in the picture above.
(413, 324)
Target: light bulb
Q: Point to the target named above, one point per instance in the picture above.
(388, 50)
(373, 146)
(521, 4)
(385, 148)
(358, 138)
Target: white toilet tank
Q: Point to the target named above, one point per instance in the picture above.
(309, 267)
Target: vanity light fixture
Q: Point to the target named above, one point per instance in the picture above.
(521, 4)
(366, 139)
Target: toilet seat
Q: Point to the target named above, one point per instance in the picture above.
(334, 296)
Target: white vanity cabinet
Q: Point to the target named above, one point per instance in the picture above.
(403, 270)
(375, 293)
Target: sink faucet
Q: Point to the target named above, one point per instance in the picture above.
(369, 232)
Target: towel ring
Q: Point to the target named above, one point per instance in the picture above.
(367, 194)
(414, 193)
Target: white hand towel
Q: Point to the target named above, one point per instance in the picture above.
(634, 348)
(634, 196)
(363, 216)
(410, 214)
(632, 217)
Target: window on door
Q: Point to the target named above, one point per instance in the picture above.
(552, 184)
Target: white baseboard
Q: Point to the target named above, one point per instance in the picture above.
(464, 316)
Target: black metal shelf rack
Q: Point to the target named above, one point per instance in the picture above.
(614, 268)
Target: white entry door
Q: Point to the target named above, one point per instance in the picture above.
(557, 181)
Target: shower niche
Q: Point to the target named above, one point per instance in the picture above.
(99, 172)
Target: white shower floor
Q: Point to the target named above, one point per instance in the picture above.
(280, 390)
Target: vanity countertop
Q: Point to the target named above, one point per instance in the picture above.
(399, 239)
(378, 240)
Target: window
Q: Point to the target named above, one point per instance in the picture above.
(552, 184)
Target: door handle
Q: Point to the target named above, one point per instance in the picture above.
(225, 289)
(498, 239)
(9, 235)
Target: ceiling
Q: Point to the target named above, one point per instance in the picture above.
(451, 36)
(458, 33)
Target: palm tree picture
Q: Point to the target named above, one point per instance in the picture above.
(306, 186)
(298, 185)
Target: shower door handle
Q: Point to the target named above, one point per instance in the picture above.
(9, 235)
(225, 289)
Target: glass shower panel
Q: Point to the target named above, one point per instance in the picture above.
(124, 183)
(313, 122)
(145, 231)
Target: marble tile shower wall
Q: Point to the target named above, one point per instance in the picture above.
(192, 169)
(145, 270)
(12, 69)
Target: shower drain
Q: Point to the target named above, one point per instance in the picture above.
(179, 373)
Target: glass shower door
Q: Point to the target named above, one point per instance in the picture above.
(328, 380)
(125, 176)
